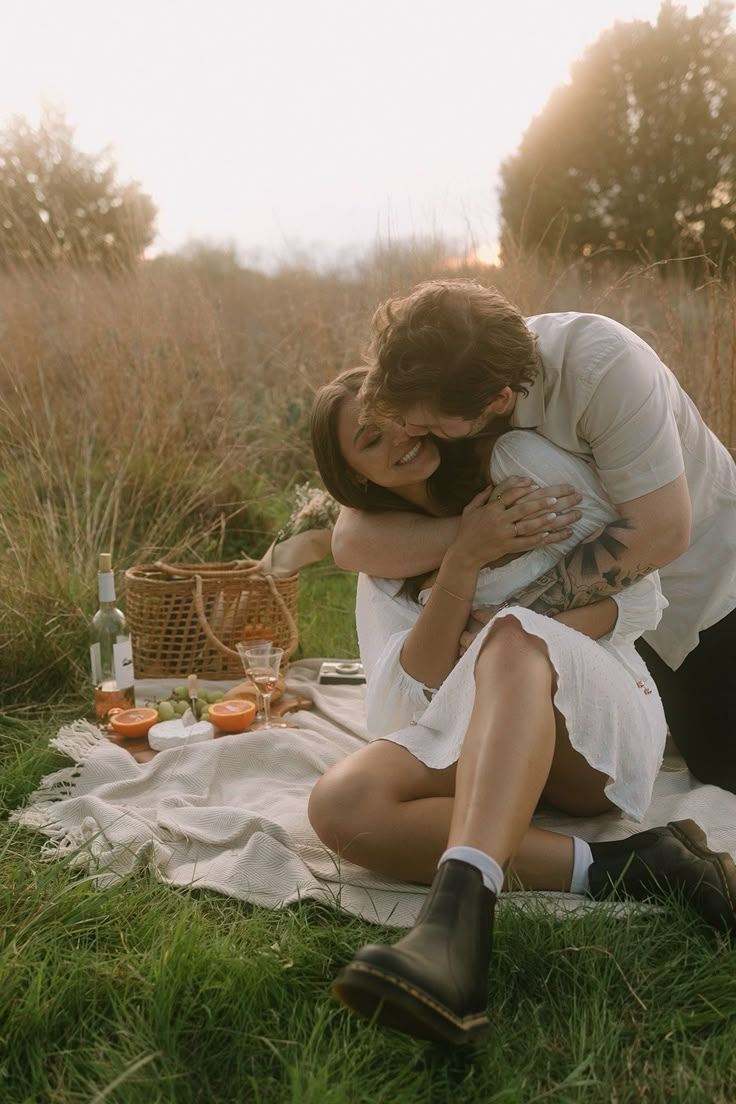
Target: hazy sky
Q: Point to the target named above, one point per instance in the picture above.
(321, 125)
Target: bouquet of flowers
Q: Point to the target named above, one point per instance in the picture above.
(314, 508)
(306, 536)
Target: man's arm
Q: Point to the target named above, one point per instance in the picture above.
(652, 531)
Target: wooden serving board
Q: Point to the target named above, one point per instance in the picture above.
(142, 751)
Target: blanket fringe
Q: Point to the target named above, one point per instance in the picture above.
(77, 740)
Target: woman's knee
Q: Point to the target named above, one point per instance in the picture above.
(339, 803)
(509, 642)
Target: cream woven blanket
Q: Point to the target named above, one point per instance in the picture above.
(230, 814)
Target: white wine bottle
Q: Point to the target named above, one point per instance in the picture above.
(111, 653)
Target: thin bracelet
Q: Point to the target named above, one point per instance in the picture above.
(452, 593)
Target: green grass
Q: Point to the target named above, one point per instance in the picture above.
(326, 612)
(144, 994)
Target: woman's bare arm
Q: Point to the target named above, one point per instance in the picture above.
(396, 545)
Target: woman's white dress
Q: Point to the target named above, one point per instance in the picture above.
(610, 703)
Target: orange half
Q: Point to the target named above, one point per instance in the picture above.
(133, 722)
(232, 716)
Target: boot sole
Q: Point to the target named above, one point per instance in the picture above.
(386, 999)
(694, 838)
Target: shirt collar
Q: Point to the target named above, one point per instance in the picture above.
(528, 412)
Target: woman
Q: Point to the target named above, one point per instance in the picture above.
(535, 708)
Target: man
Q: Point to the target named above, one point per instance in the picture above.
(456, 359)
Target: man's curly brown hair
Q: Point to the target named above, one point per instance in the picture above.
(454, 344)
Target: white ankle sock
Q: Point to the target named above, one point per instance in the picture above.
(491, 872)
(582, 858)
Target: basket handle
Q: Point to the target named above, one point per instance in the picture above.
(249, 568)
(231, 652)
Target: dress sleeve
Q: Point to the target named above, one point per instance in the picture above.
(524, 452)
(640, 609)
(384, 619)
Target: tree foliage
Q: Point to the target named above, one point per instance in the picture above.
(60, 204)
(637, 153)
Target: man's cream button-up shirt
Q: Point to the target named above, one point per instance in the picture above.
(604, 395)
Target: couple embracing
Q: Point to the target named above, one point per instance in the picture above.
(546, 534)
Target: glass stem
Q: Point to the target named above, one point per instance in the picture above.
(267, 710)
(260, 711)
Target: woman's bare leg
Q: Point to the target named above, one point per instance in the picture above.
(433, 982)
(383, 809)
(513, 746)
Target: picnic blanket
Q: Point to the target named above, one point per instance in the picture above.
(231, 814)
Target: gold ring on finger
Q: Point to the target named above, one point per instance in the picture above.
(516, 530)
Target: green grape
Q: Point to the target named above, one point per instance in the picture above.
(204, 696)
(215, 696)
(180, 692)
(181, 708)
(166, 711)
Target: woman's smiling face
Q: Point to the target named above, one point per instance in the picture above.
(385, 455)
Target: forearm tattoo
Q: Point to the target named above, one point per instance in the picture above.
(588, 573)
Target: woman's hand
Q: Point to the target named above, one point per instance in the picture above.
(514, 517)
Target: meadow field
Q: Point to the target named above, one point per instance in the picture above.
(165, 414)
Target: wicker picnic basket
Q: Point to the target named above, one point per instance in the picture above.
(188, 618)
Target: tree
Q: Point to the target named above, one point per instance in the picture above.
(60, 204)
(637, 153)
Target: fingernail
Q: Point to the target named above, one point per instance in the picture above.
(535, 486)
(551, 517)
(550, 501)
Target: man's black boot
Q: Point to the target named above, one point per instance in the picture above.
(660, 861)
(432, 983)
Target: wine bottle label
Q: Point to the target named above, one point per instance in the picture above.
(106, 586)
(96, 663)
(122, 655)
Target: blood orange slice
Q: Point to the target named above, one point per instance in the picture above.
(232, 716)
(133, 722)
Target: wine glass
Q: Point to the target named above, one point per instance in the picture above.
(262, 666)
(252, 645)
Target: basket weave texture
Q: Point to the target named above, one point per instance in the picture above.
(186, 618)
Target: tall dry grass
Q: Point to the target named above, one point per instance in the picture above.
(164, 413)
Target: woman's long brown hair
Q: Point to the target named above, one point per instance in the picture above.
(456, 481)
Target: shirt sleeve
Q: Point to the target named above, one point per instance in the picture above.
(524, 452)
(640, 609)
(629, 423)
(384, 619)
